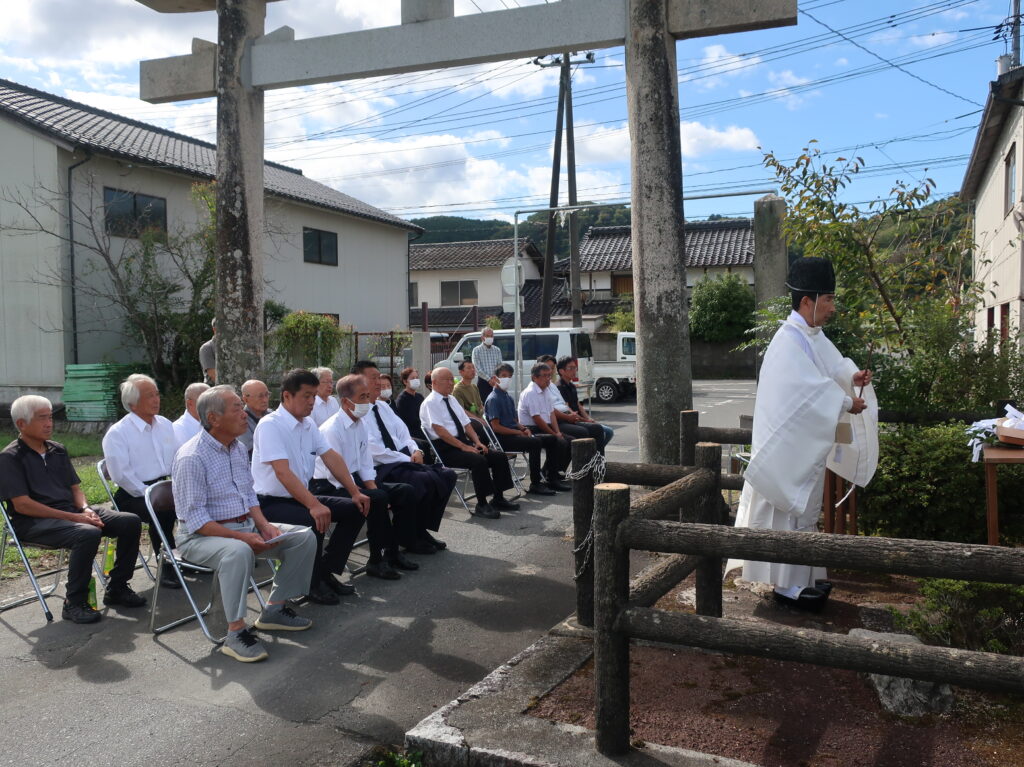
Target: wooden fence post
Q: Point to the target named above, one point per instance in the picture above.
(611, 647)
(583, 450)
(688, 422)
(708, 455)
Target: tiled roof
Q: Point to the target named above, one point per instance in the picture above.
(84, 127)
(468, 255)
(461, 317)
(708, 244)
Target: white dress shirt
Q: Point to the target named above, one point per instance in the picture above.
(399, 434)
(433, 411)
(186, 427)
(534, 400)
(347, 437)
(557, 400)
(324, 409)
(280, 435)
(138, 452)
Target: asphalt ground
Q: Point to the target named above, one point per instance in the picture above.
(368, 670)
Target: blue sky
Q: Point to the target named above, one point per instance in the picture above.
(900, 83)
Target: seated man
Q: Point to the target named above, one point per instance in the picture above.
(187, 426)
(467, 393)
(447, 426)
(567, 368)
(345, 433)
(256, 397)
(501, 412)
(397, 457)
(139, 449)
(45, 495)
(284, 453)
(223, 527)
(569, 421)
(324, 406)
(538, 417)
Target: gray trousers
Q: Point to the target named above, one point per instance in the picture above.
(234, 561)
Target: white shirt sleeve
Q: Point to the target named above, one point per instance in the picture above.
(117, 451)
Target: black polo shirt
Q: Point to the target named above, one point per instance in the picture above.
(47, 479)
(569, 394)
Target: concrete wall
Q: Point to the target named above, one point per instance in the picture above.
(31, 270)
(488, 282)
(996, 238)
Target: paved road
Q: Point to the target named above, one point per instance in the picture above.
(368, 670)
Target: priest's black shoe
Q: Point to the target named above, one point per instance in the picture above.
(486, 511)
(438, 544)
(339, 588)
(400, 561)
(537, 488)
(381, 569)
(322, 594)
(810, 599)
(502, 505)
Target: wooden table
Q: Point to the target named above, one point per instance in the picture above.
(992, 456)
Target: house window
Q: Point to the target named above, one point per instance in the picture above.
(1010, 179)
(414, 294)
(458, 293)
(1004, 321)
(130, 214)
(319, 247)
(991, 324)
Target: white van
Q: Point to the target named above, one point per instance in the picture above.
(559, 342)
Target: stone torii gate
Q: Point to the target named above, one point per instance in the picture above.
(245, 62)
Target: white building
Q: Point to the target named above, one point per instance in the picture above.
(993, 184)
(325, 252)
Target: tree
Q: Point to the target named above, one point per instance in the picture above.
(722, 309)
(305, 339)
(623, 319)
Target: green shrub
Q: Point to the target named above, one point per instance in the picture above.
(927, 488)
(722, 309)
(969, 615)
(304, 339)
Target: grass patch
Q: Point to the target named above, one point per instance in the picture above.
(77, 445)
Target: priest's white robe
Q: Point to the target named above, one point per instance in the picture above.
(804, 392)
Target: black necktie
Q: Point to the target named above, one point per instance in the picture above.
(385, 435)
(459, 431)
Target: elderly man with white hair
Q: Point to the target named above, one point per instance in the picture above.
(187, 426)
(256, 398)
(222, 526)
(324, 405)
(43, 490)
(139, 449)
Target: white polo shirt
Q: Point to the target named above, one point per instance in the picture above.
(347, 437)
(557, 400)
(534, 401)
(434, 411)
(186, 427)
(399, 434)
(324, 409)
(280, 435)
(138, 452)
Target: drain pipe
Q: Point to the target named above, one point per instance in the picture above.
(71, 261)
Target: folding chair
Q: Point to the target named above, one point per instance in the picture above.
(160, 498)
(513, 456)
(37, 593)
(464, 493)
(107, 482)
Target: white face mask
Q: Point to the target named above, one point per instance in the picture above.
(414, 383)
(504, 383)
(361, 409)
(385, 393)
(488, 341)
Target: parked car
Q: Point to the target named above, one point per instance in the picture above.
(559, 342)
(616, 378)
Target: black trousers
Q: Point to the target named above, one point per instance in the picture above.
(490, 471)
(348, 521)
(431, 484)
(136, 504)
(391, 507)
(554, 448)
(484, 386)
(83, 540)
(583, 430)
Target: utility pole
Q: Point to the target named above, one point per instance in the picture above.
(1016, 33)
(565, 63)
(659, 269)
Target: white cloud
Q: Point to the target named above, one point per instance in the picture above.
(842, 61)
(932, 39)
(886, 37)
(697, 139)
(717, 65)
(784, 81)
(881, 116)
(23, 64)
